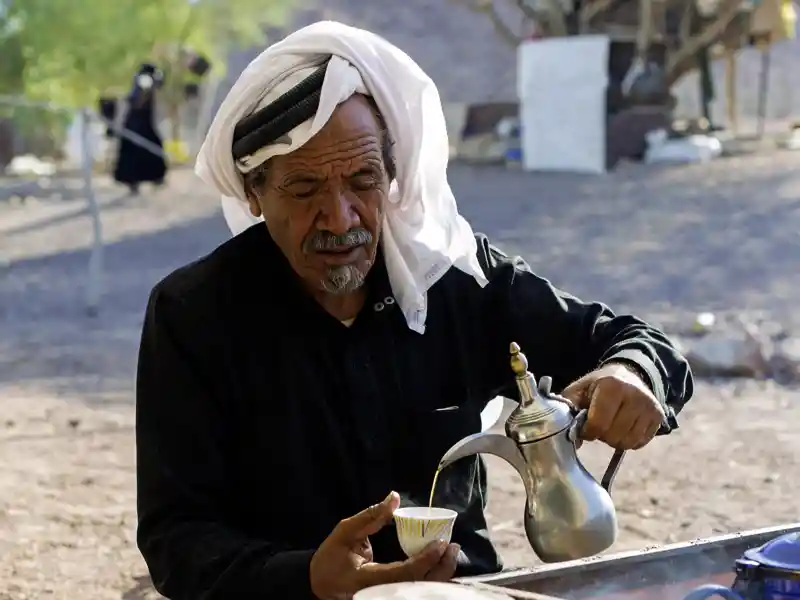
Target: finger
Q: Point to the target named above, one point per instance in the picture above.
(413, 569)
(621, 426)
(446, 568)
(577, 392)
(423, 563)
(368, 521)
(363, 548)
(652, 430)
(636, 434)
(603, 407)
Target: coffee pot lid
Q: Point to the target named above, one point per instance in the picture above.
(540, 414)
(781, 554)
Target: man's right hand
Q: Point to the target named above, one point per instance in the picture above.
(343, 564)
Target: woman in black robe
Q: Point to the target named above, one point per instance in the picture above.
(136, 164)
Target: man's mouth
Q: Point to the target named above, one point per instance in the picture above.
(340, 250)
(340, 256)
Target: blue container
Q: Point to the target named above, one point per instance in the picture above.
(514, 154)
(770, 572)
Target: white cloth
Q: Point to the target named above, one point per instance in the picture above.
(423, 234)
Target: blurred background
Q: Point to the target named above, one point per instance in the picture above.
(637, 152)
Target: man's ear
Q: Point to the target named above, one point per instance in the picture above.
(252, 204)
(252, 199)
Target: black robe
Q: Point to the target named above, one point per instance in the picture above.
(136, 164)
(262, 420)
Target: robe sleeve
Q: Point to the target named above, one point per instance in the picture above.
(565, 337)
(185, 530)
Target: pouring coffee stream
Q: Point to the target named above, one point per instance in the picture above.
(568, 515)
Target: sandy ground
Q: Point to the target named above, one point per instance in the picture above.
(656, 241)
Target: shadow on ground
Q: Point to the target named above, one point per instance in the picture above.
(48, 337)
(717, 237)
(651, 239)
(141, 590)
(61, 218)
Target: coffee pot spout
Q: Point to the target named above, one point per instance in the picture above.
(489, 443)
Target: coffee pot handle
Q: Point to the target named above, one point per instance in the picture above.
(575, 428)
(711, 590)
(574, 435)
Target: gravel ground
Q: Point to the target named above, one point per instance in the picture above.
(662, 242)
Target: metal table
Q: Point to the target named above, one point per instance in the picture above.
(661, 572)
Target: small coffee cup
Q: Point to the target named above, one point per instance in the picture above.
(418, 526)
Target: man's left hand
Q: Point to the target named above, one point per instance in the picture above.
(623, 412)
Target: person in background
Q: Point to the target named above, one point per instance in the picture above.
(135, 163)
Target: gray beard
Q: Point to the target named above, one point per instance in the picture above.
(344, 279)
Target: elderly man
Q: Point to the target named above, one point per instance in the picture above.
(351, 331)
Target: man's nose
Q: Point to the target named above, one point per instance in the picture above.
(338, 215)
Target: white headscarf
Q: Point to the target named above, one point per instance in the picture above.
(423, 235)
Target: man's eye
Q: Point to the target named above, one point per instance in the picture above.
(302, 191)
(365, 182)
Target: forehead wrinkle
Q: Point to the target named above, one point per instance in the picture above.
(342, 151)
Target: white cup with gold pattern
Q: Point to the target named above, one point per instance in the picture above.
(418, 526)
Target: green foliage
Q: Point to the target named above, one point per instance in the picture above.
(44, 131)
(70, 52)
(12, 61)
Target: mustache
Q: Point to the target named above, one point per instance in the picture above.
(322, 241)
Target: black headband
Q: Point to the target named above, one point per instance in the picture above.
(279, 117)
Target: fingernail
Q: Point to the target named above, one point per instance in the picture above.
(390, 497)
(455, 549)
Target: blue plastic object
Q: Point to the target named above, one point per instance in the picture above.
(769, 572)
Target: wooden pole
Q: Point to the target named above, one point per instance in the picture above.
(731, 101)
(763, 87)
(94, 286)
(645, 32)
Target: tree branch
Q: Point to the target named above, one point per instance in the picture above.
(186, 30)
(679, 61)
(685, 27)
(554, 15)
(590, 10)
(527, 10)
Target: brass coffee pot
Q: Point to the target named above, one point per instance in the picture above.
(568, 515)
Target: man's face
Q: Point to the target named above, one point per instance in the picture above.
(323, 203)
